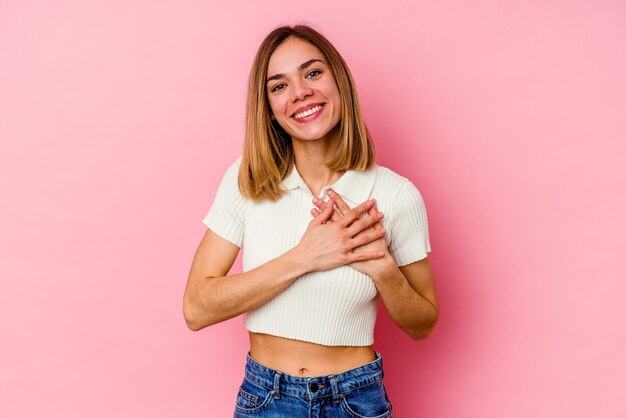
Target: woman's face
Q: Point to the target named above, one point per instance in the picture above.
(302, 91)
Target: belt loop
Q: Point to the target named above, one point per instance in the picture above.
(335, 388)
(276, 390)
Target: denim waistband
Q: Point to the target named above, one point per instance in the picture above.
(334, 385)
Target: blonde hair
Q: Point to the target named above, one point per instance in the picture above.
(268, 152)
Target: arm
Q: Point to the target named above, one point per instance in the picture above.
(408, 292)
(211, 296)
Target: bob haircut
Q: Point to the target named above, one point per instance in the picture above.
(268, 155)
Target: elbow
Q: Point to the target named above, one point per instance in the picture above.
(422, 334)
(192, 317)
(193, 325)
(191, 321)
(425, 329)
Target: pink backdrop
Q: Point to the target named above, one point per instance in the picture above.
(117, 120)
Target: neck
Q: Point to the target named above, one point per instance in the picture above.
(311, 158)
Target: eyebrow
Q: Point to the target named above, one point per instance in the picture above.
(302, 66)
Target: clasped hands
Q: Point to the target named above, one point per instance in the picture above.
(338, 236)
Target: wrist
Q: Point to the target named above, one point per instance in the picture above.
(298, 258)
(388, 270)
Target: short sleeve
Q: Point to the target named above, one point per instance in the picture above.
(227, 214)
(408, 224)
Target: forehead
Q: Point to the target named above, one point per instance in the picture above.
(288, 56)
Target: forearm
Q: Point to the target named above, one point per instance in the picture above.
(210, 300)
(408, 308)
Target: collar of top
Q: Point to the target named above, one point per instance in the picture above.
(353, 185)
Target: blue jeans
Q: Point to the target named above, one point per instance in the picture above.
(356, 393)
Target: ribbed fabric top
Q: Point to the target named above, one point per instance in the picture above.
(334, 307)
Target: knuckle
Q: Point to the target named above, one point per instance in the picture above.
(361, 223)
(350, 216)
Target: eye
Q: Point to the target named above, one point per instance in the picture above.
(313, 73)
(278, 87)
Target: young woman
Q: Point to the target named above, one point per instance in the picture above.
(306, 201)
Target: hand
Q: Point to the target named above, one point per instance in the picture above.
(371, 267)
(326, 245)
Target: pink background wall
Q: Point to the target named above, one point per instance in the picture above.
(117, 120)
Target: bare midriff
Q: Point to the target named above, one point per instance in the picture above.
(305, 359)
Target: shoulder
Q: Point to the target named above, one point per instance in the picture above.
(233, 170)
(227, 215)
(407, 222)
(398, 192)
(230, 177)
(389, 180)
(228, 189)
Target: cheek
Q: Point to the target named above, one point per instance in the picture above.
(336, 99)
(278, 109)
(332, 92)
(276, 105)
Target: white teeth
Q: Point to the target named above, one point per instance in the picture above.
(308, 112)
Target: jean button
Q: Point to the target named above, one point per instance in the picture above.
(314, 387)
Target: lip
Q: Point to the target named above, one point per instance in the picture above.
(307, 107)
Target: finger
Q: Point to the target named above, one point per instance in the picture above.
(322, 205)
(374, 212)
(319, 203)
(341, 205)
(367, 236)
(362, 224)
(324, 214)
(316, 212)
(365, 255)
(356, 212)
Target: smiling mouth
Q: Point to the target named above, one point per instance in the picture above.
(308, 112)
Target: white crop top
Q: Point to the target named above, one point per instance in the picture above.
(334, 307)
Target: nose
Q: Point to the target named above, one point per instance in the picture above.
(300, 91)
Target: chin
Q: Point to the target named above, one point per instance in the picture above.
(312, 135)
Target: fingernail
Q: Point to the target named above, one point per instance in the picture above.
(330, 193)
(316, 200)
(379, 215)
(383, 230)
